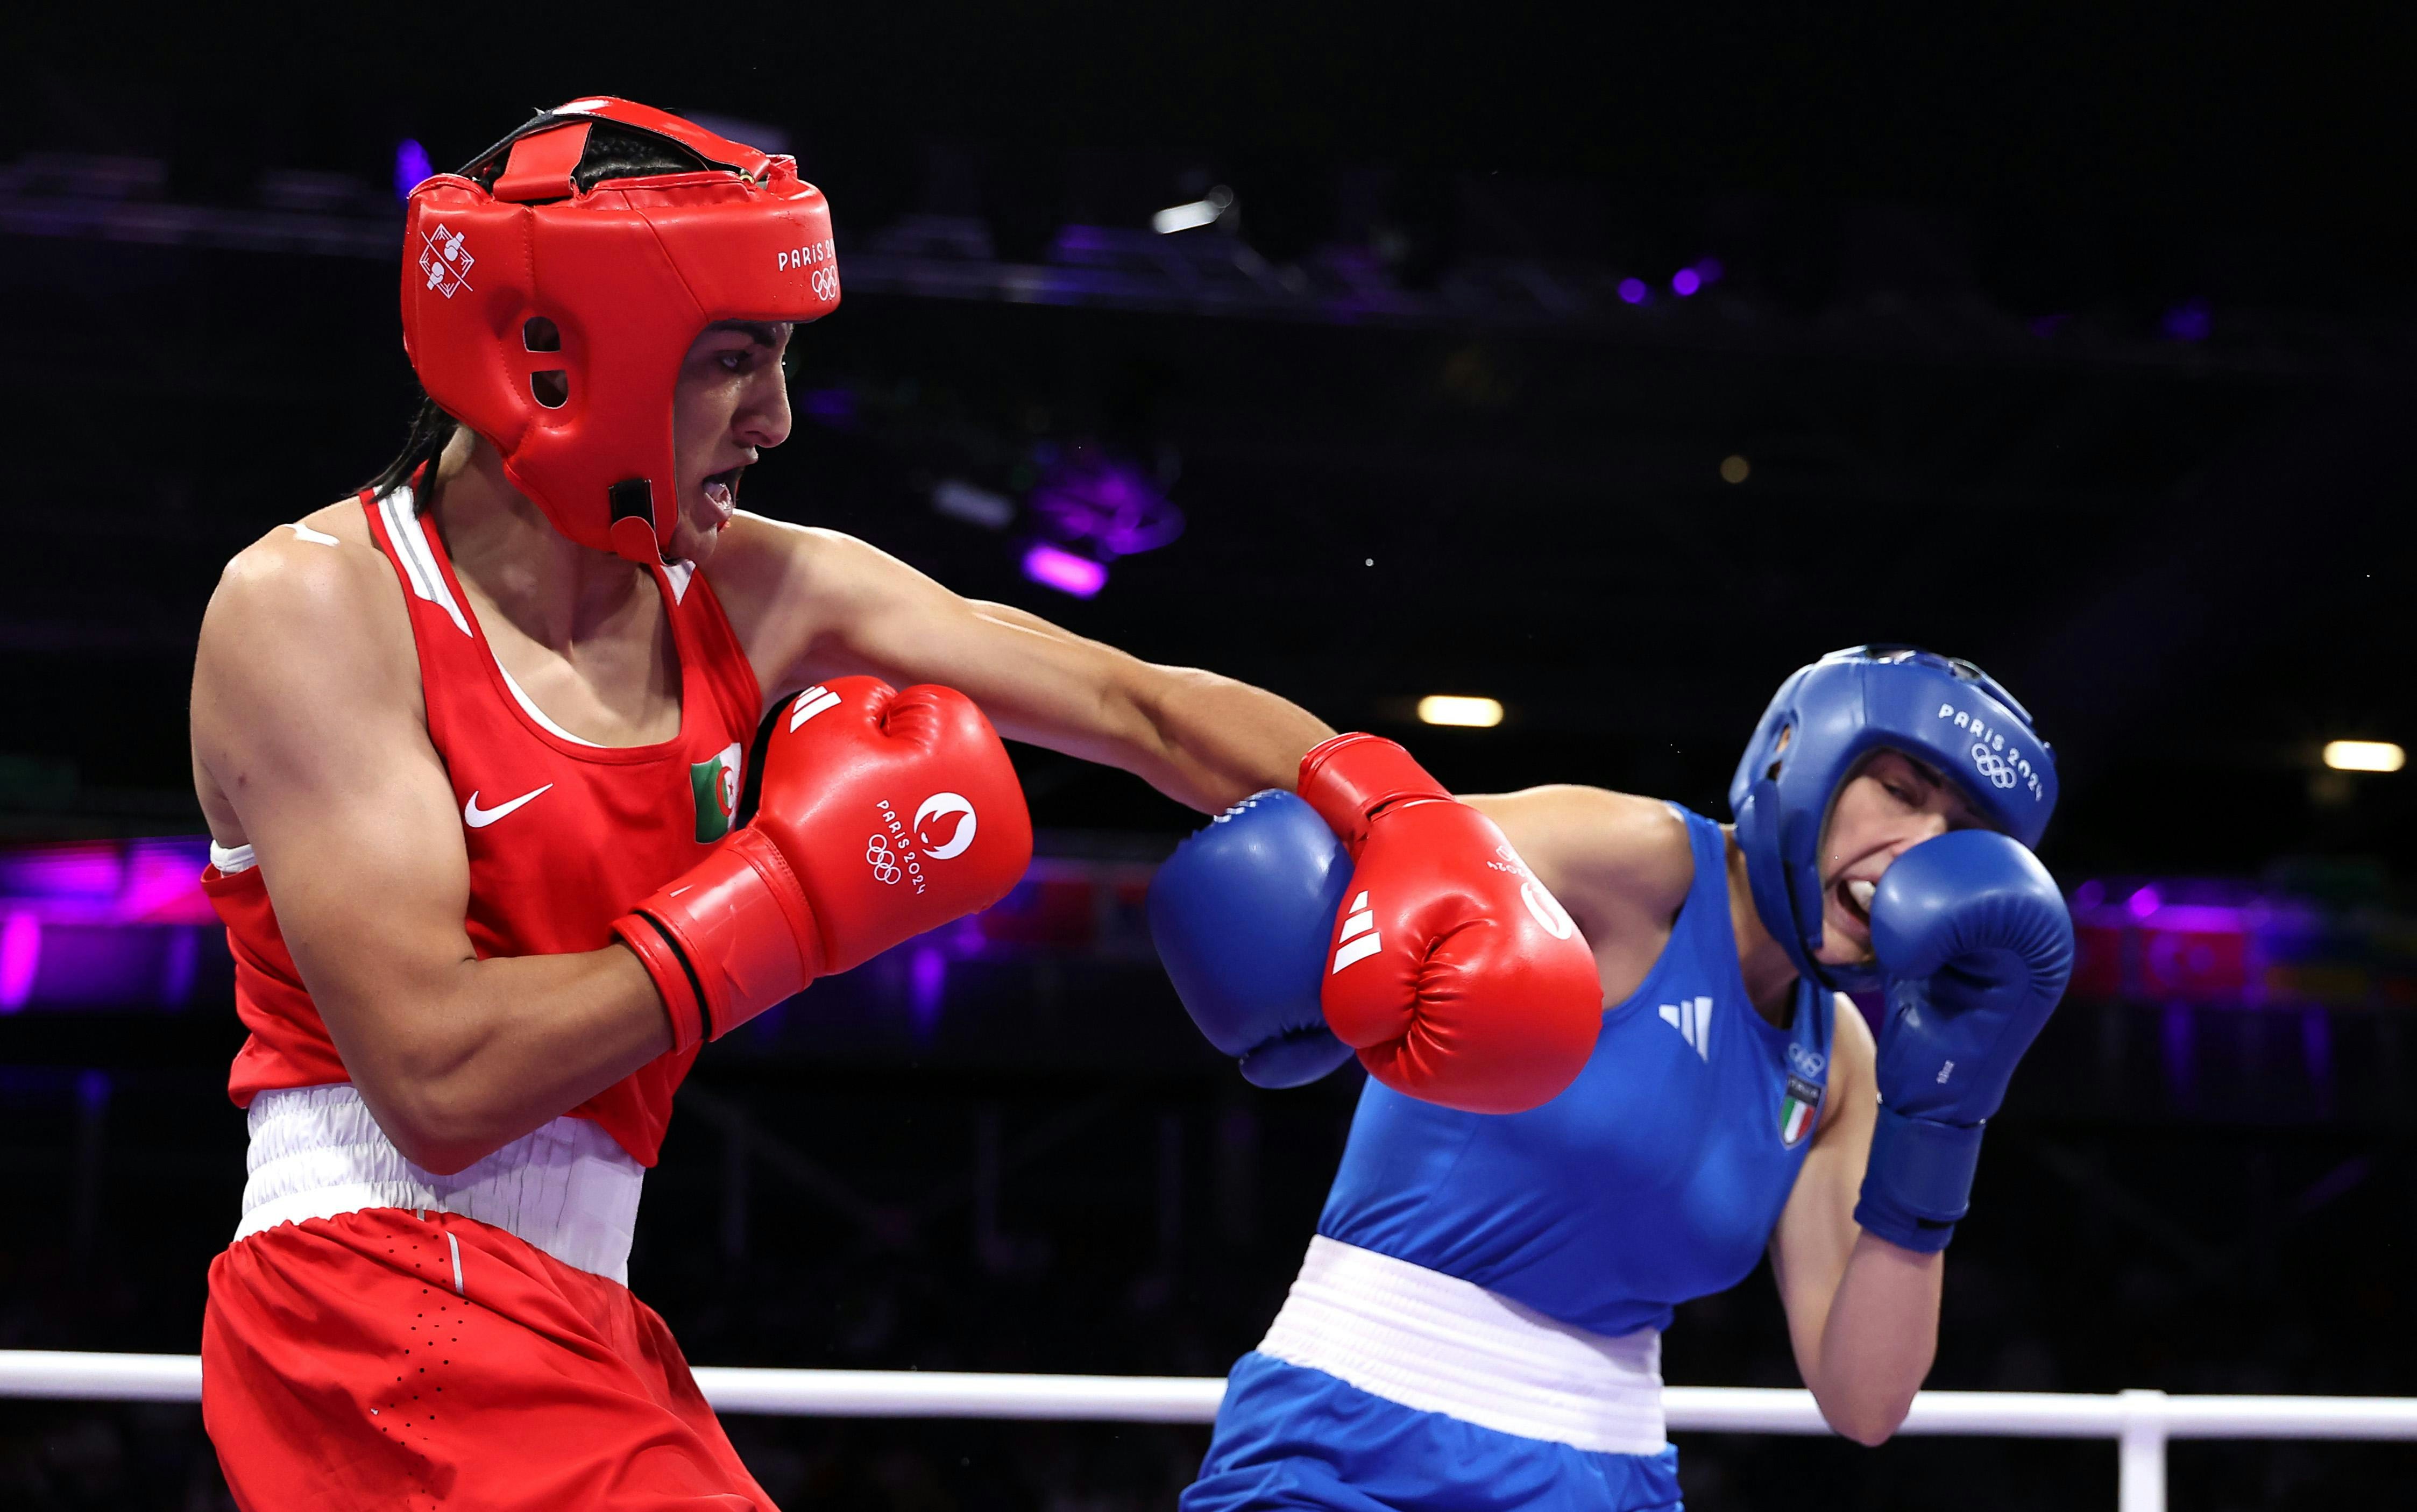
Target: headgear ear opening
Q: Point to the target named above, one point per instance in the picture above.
(1824, 719)
(551, 290)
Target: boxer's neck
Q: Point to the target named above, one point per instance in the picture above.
(1770, 976)
(555, 591)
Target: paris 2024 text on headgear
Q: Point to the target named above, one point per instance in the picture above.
(1828, 717)
(551, 320)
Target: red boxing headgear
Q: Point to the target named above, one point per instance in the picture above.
(627, 273)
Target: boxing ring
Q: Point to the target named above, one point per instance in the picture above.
(2139, 1422)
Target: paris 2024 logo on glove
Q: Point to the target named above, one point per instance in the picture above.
(895, 857)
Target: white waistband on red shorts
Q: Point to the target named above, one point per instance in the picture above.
(1440, 1344)
(566, 1189)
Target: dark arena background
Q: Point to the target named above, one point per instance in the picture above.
(1605, 365)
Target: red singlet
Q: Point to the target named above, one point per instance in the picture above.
(564, 837)
(381, 1335)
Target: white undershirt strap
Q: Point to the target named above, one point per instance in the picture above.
(538, 714)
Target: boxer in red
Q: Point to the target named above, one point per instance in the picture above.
(496, 857)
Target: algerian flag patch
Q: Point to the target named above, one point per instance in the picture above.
(715, 784)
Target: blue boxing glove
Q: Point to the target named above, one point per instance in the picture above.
(1241, 914)
(1976, 944)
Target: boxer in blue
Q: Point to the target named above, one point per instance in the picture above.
(1477, 1323)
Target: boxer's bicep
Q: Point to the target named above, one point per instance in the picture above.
(306, 717)
(1816, 1230)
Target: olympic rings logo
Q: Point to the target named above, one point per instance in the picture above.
(883, 861)
(826, 282)
(1995, 768)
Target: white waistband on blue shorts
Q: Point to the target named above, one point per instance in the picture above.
(1440, 1344)
(566, 1189)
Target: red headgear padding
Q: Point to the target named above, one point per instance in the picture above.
(628, 272)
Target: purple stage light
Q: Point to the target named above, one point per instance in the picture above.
(411, 165)
(1631, 291)
(832, 407)
(1064, 571)
(21, 953)
(1107, 505)
(1708, 270)
(927, 983)
(1685, 282)
(2189, 321)
(2143, 903)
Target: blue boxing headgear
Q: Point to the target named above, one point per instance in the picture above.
(1933, 708)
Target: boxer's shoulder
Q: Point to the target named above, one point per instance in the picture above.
(760, 559)
(1616, 860)
(787, 587)
(1642, 853)
(317, 554)
(319, 579)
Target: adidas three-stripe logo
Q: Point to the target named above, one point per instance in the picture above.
(1692, 1018)
(1358, 941)
(811, 703)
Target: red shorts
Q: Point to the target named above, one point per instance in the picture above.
(377, 1359)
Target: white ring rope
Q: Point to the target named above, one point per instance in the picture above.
(1147, 1398)
(2140, 1421)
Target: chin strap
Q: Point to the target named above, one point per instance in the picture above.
(1767, 873)
(1787, 917)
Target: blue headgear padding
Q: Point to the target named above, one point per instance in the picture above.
(1947, 713)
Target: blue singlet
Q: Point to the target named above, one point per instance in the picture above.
(1657, 1177)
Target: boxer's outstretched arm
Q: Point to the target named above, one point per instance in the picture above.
(1863, 1313)
(307, 720)
(810, 604)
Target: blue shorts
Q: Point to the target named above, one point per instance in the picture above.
(1291, 1437)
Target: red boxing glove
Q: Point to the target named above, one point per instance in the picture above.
(881, 814)
(1456, 976)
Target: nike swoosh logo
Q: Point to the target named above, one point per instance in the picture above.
(478, 818)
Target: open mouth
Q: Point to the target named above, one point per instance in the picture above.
(1855, 896)
(721, 493)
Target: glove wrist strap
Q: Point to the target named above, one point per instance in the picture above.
(731, 938)
(1350, 777)
(1918, 1181)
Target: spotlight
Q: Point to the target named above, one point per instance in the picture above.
(961, 500)
(1203, 212)
(1735, 469)
(1685, 281)
(1631, 291)
(1064, 571)
(1451, 708)
(2365, 756)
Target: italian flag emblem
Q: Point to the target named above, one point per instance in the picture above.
(715, 784)
(1797, 1109)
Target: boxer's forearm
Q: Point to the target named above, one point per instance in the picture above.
(1211, 741)
(519, 1041)
(1878, 1339)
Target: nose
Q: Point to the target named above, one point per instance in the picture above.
(765, 418)
(1925, 827)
